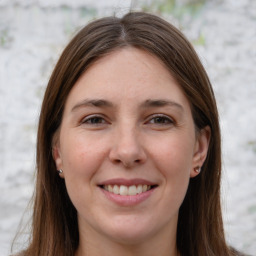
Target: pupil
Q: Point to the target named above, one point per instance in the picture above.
(95, 120)
(160, 120)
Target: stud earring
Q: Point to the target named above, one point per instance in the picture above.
(60, 171)
(198, 169)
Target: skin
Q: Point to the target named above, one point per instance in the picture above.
(135, 135)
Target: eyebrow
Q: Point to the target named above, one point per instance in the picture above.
(93, 103)
(107, 104)
(161, 103)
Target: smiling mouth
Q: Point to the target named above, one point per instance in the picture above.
(127, 190)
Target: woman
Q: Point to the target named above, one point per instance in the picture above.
(128, 150)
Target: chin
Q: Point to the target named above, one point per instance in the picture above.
(131, 234)
(130, 238)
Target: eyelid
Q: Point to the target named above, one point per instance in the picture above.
(90, 117)
(167, 117)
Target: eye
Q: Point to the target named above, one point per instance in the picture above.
(94, 120)
(160, 119)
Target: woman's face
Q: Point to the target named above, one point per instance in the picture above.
(127, 147)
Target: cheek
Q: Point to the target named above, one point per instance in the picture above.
(174, 160)
(81, 157)
(81, 161)
(175, 155)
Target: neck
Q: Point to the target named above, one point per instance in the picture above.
(124, 250)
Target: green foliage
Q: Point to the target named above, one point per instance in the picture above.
(5, 38)
(85, 12)
(200, 40)
(252, 145)
(65, 8)
(175, 7)
(252, 209)
(167, 6)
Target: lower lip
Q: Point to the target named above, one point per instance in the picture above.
(128, 200)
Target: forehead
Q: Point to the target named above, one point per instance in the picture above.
(127, 74)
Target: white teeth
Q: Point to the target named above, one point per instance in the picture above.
(109, 188)
(132, 190)
(116, 190)
(139, 189)
(123, 190)
(127, 190)
(144, 188)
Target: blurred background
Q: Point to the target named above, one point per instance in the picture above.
(34, 32)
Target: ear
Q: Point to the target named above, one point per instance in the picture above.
(56, 154)
(200, 150)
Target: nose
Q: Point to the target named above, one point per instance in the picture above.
(127, 148)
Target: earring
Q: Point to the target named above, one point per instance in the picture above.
(198, 169)
(60, 171)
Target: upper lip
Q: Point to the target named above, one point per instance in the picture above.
(127, 182)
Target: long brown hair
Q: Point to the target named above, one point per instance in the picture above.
(200, 226)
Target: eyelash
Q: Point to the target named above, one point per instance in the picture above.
(89, 120)
(165, 120)
(98, 120)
